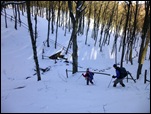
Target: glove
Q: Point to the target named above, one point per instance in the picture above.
(82, 74)
(113, 76)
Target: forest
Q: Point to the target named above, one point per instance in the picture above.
(128, 21)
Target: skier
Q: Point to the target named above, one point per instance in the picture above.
(88, 76)
(119, 77)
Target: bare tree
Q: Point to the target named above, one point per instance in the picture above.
(48, 25)
(133, 32)
(129, 34)
(15, 15)
(125, 29)
(66, 11)
(5, 18)
(94, 21)
(117, 29)
(33, 40)
(75, 20)
(19, 19)
(69, 23)
(98, 17)
(109, 24)
(63, 13)
(103, 22)
(53, 16)
(89, 14)
(58, 21)
(145, 28)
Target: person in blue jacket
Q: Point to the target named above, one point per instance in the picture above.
(119, 78)
(88, 76)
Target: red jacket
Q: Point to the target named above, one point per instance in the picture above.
(86, 75)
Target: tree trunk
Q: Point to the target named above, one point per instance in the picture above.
(144, 51)
(75, 21)
(108, 26)
(5, 18)
(69, 23)
(98, 22)
(18, 15)
(124, 38)
(145, 48)
(63, 14)
(80, 26)
(15, 14)
(145, 28)
(66, 21)
(58, 16)
(129, 36)
(22, 9)
(139, 70)
(90, 7)
(53, 17)
(133, 34)
(48, 25)
(33, 41)
(75, 49)
(83, 23)
(102, 25)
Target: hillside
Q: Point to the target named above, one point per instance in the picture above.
(57, 93)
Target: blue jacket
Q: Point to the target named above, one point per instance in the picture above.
(117, 74)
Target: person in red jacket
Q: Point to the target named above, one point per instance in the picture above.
(88, 76)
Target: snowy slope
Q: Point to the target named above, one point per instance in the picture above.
(57, 93)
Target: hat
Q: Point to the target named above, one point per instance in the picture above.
(87, 69)
(115, 65)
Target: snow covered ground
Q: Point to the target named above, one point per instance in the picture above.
(22, 93)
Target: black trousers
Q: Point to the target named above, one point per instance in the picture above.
(89, 80)
(116, 81)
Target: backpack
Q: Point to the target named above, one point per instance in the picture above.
(91, 75)
(123, 72)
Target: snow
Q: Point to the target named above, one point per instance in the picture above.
(57, 93)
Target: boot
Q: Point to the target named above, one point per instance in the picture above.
(123, 85)
(114, 85)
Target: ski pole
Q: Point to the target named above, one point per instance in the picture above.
(79, 77)
(110, 82)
